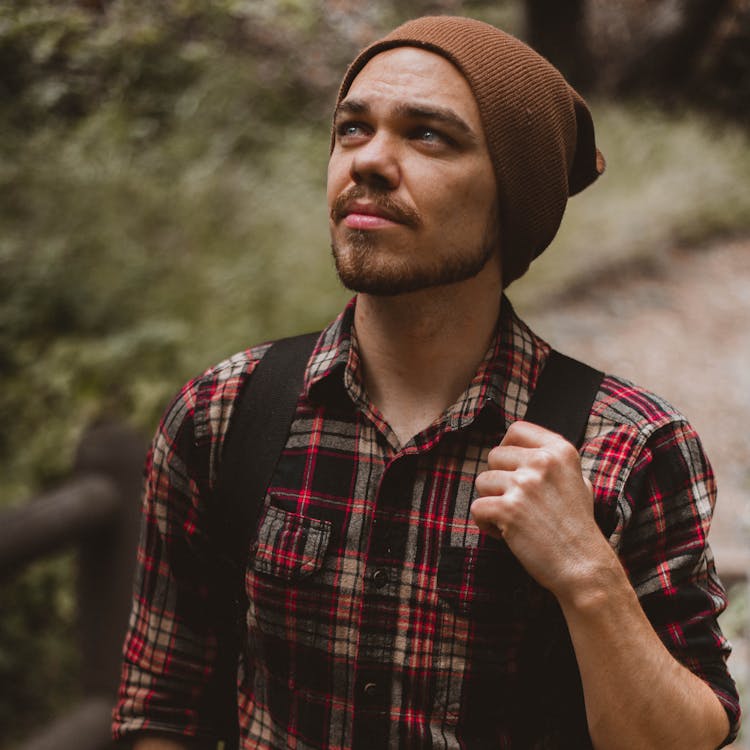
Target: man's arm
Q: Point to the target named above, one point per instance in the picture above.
(170, 643)
(637, 694)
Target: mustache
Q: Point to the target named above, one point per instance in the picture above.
(394, 208)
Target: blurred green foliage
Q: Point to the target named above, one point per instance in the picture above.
(38, 658)
(162, 172)
(136, 150)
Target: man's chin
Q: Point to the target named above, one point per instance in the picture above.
(394, 286)
(360, 272)
(376, 287)
(365, 271)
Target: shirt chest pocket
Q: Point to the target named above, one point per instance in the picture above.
(290, 546)
(284, 581)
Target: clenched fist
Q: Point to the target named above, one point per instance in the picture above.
(535, 496)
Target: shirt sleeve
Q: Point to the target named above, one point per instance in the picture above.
(170, 644)
(671, 494)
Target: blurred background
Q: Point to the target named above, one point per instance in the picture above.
(162, 176)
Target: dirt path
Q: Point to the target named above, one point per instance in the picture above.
(682, 329)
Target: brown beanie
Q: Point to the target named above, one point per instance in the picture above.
(539, 130)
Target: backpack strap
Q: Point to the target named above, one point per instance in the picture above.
(563, 397)
(257, 434)
(551, 710)
(258, 430)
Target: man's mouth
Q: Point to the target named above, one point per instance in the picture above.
(358, 211)
(360, 215)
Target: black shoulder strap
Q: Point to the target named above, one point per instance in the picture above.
(563, 397)
(257, 433)
(551, 710)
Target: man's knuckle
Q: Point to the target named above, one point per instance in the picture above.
(543, 461)
(528, 482)
(568, 452)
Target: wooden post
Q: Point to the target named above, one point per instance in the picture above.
(107, 559)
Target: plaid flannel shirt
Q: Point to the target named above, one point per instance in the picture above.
(368, 581)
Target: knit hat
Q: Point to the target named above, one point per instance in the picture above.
(539, 130)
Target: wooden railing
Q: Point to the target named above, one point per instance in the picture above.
(97, 513)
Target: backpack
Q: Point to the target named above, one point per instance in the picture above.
(551, 712)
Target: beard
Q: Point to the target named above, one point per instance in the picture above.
(363, 266)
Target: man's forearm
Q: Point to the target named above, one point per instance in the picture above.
(637, 694)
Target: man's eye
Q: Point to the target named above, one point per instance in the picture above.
(349, 130)
(429, 135)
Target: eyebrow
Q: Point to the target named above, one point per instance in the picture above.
(442, 115)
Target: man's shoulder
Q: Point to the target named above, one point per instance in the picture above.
(226, 378)
(630, 425)
(214, 392)
(204, 404)
(195, 423)
(621, 402)
(635, 437)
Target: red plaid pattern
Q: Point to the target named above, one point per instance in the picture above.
(379, 616)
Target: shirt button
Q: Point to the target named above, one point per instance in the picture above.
(379, 578)
(370, 689)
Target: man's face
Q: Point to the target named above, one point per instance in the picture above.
(411, 189)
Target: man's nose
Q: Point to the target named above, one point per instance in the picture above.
(376, 163)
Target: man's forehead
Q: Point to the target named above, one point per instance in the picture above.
(408, 73)
(403, 65)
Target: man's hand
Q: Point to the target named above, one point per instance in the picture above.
(534, 496)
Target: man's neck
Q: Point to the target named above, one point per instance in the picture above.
(421, 350)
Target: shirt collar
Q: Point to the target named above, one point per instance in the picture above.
(334, 360)
(503, 381)
(507, 376)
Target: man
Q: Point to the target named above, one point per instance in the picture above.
(415, 523)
